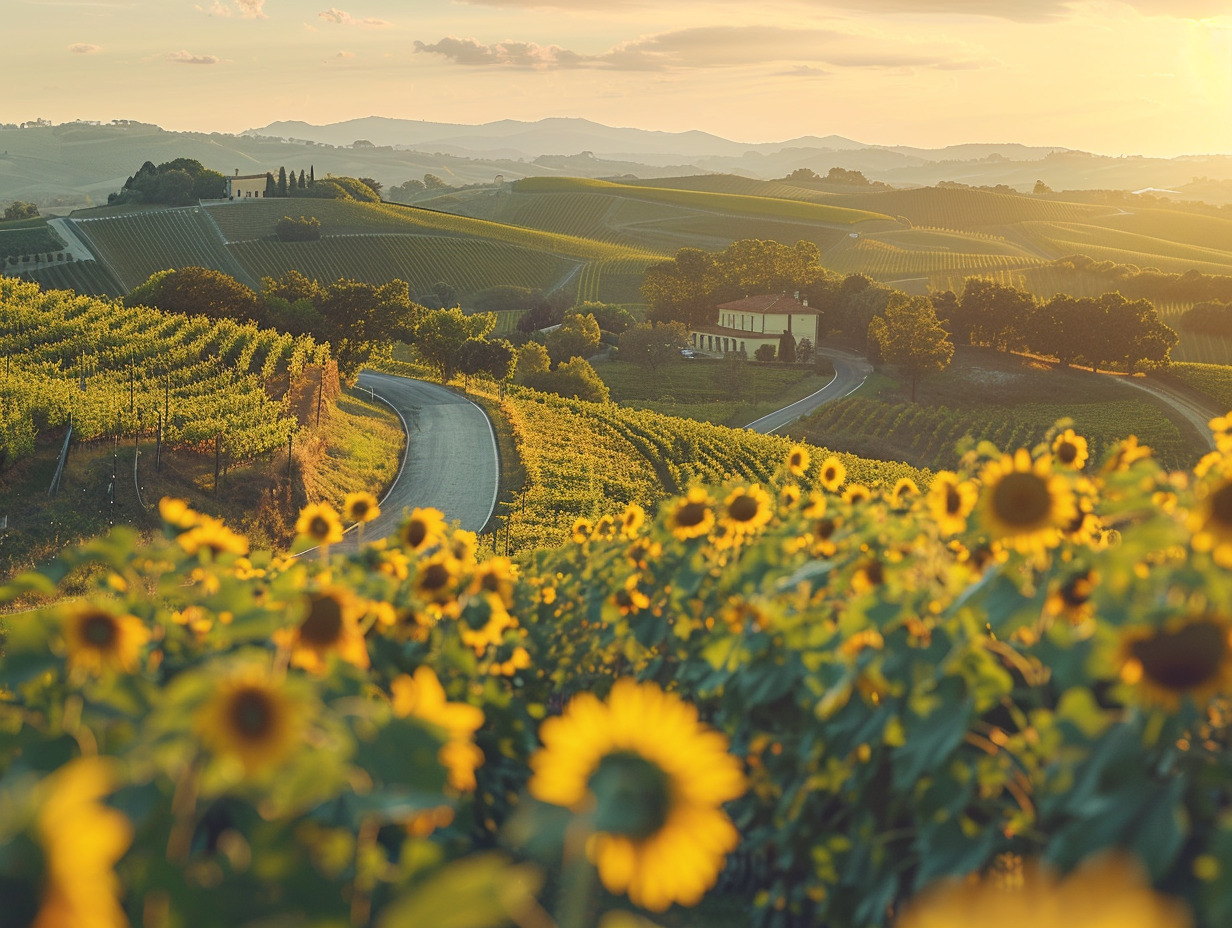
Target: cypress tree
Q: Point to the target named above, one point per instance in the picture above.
(271, 187)
(282, 181)
(312, 177)
(302, 185)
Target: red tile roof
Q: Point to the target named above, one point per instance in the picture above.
(769, 303)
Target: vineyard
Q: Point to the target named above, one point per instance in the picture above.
(137, 245)
(86, 277)
(469, 265)
(1064, 238)
(1211, 380)
(730, 203)
(968, 209)
(927, 435)
(584, 459)
(114, 371)
(903, 256)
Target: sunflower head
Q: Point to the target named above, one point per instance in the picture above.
(211, 535)
(1211, 521)
(252, 719)
(857, 494)
(99, 639)
(832, 474)
(320, 523)
(631, 520)
(1024, 505)
(1191, 657)
(746, 509)
(905, 490)
(330, 625)
(950, 501)
(436, 578)
(1069, 450)
(798, 460)
(692, 515)
(423, 528)
(360, 507)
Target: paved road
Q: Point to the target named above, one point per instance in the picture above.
(451, 462)
(850, 371)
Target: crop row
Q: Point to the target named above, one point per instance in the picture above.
(884, 260)
(468, 265)
(140, 244)
(1211, 380)
(116, 370)
(1065, 238)
(968, 209)
(927, 435)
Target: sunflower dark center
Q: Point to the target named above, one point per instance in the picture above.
(824, 528)
(491, 583)
(830, 475)
(1021, 499)
(690, 514)
(632, 795)
(416, 532)
(434, 577)
(323, 626)
(252, 713)
(797, 460)
(319, 527)
(359, 509)
(953, 500)
(1067, 452)
(1184, 659)
(1221, 506)
(100, 630)
(624, 599)
(1076, 591)
(875, 573)
(743, 508)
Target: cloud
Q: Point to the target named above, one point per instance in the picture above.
(706, 47)
(185, 57)
(252, 9)
(216, 9)
(83, 48)
(343, 18)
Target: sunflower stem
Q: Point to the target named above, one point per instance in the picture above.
(576, 904)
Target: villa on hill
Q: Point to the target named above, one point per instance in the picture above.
(242, 186)
(745, 325)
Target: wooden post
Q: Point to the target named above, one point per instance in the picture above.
(320, 392)
(132, 406)
(158, 450)
(217, 459)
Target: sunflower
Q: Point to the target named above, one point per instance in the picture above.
(905, 490)
(423, 528)
(950, 501)
(97, 638)
(629, 598)
(436, 579)
(868, 576)
(1211, 522)
(319, 522)
(1127, 454)
(856, 494)
(789, 496)
(1070, 450)
(582, 529)
(82, 840)
(1024, 505)
(1109, 891)
(360, 507)
(423, 697)
(654, 779)
(330, 625)
(745, 510)
(631, 521)
(1072, 599)
(211, 535)
(177, 512)
(798, 460)
(692, 515)
(832, 474)
(485, 624)
(495, 575)
(251, 719)
(1191, 657)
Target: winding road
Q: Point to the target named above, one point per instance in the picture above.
(850, 371)
(451, 462)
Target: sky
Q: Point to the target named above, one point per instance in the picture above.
(1137, 77)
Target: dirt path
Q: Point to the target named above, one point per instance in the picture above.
(1197, 413)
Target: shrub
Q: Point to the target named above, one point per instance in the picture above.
(303, 229)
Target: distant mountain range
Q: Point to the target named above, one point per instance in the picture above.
(78, 164)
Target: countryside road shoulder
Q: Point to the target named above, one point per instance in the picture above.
(850, 372)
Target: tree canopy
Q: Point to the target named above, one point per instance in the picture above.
(910, 337)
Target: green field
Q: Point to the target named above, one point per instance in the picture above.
(1008, 400)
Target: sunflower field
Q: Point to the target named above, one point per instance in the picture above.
(1002, 700)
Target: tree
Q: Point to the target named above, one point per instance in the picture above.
(302, 182)
(176, 188)
(481, 356)
(312, 175)
(282, 182)
(442, 333)
(271, 185)
(764, 353)
(196, 291)
(910, 337)
(577, 337)
(1041, 189)
(432, 182)
(406, 191)
(805, 351)
(303, 229)
(803, 174)
(19, 209)
(651, 345)
(787, 348)
(372, 184)
(575, 378)
(532, 359)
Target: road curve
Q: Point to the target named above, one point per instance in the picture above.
(451, 463)
(1198, 414)
(850, 371)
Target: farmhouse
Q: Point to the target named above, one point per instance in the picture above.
(745, 325)
(243, 186)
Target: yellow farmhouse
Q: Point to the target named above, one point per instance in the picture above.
(745, 325)
(246, 186)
